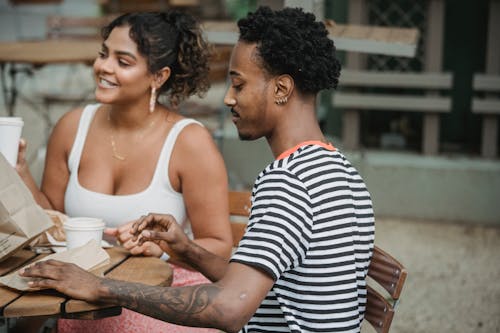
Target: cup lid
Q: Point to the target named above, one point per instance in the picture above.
(11, 121)
(84, 222)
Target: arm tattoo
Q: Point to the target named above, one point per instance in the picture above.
(192, 305)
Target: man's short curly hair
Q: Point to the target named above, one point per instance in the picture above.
(290, 41)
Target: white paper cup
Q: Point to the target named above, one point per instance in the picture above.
(79, 230)
(10, 133)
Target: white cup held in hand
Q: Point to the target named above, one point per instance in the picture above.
(80, 230)
(10, 134)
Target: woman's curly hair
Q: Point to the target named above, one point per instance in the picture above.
(172, 39)
(290, 41)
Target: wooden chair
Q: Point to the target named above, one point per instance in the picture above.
(239, 209)
(386, 271)
(390, 275)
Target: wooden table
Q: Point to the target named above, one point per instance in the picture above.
(122, 266)
(45, 52)
(22, 56)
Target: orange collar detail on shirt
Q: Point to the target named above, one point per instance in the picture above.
(290, 151)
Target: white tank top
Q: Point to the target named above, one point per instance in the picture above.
(115, 210)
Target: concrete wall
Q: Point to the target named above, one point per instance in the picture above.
(457, 189)
(404, 185)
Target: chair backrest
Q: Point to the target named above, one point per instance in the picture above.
(390, 274)
(385, 270)
(239, 207)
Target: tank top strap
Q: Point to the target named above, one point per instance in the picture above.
(81, 134)
(161, 172)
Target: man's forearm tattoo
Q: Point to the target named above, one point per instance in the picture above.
(189, 305)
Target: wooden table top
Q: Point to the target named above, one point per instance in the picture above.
(122, 266)
(45, 52)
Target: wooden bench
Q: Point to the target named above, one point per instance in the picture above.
(416, 92)
(486, 102)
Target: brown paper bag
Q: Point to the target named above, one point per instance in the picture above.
(21, 219)
(56, 231)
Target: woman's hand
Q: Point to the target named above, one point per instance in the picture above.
(124, 238)
(21, 165)
(163, 230)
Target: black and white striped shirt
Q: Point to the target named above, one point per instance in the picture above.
(311, 229)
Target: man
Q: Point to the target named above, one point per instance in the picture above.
(302, 263)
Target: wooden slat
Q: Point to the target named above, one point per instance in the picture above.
(486, 106)
(430, 134)
(391, 102)
(238, 230)
(492, 45)
(42, 52)
(19, 259)
(379, 312)
(359, 38)
(387, 271)
(159, 272)
(489, 140)
(351, 128)
(421, 80)
(486, 83)
(239, 203)
(378, 40)
(7, 295)
(39, 303)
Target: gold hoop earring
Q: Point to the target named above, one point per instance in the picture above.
(152, 100)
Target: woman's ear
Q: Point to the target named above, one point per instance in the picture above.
(161, 76)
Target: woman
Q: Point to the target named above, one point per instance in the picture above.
(131, 155)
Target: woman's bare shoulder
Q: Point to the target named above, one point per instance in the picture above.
(195, 136)
(70, 118)
(66, 127)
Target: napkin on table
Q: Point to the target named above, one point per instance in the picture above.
(89, 257)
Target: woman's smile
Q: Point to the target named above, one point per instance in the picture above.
(106, 84)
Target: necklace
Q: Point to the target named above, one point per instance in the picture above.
(139, 137)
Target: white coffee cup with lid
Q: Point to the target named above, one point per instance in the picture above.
(10, 134)
(80, 230)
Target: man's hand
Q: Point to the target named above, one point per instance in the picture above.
(124, 238)
(66, 278)
(166, 232)
(163, 230)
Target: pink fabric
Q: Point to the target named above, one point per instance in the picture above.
(133, 322)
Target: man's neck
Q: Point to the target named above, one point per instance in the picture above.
(297, 124)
